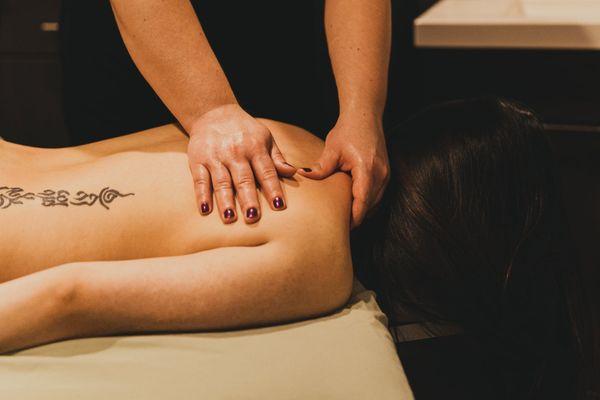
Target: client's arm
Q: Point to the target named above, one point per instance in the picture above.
(221, 288)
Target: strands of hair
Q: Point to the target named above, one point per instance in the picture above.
(471, 232)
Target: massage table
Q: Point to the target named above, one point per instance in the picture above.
(346, 355)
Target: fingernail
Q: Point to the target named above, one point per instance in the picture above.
(228, 214)
(278, 202)
(289, 165)
(305, 169)
(251, 213)
(204, 208)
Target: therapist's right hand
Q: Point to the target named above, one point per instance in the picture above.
(229, 151)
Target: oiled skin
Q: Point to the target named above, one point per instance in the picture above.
(161, 218)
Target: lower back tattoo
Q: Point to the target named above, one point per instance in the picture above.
(10, 196)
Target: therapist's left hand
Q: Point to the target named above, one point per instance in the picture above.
(356, 144)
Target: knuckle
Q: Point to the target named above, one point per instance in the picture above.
(385, 170)
(269, 173)
(222, 184)
(370, 163)
(358, 209)
(213, 164)
(258, 145)
(201, 180)
(253, 147)
(361, 191)
(361, 199)
(362, 181)
(233, 151)
(261, 159)
(362, 162)
(245, 180)
(196, 158)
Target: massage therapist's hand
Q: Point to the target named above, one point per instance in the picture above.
(356, 145)
(230, 151)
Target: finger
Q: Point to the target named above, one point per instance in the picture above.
(265, 172)
(327, 164)
(283, 168)
(361, 186)
(202, 188)
(386, 179)
(379, 195)
(380, 191)
(373, 205)
(245, 187)
(223, 188)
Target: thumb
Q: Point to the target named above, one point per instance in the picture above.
(327, 164)
(283, 168)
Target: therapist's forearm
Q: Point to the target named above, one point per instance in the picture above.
(359, 40)
(167, 44)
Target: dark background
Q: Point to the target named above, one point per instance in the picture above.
(280, 70)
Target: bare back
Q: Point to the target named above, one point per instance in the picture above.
(132, 197)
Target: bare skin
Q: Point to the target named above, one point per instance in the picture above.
(169, 47)
(145, 259)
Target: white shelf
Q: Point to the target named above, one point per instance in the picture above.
(541, 24)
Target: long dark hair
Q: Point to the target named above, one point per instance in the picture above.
(471, 231)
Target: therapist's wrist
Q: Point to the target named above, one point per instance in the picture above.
(217, 112)
(361, 115)
(366, 110)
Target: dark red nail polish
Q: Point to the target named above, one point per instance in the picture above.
(204, 208)
(228, 214)
(251, 213)
(278, 202)
(307, 169)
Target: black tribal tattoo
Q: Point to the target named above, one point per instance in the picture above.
(10, 196)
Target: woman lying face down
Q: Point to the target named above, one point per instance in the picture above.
(106, 238)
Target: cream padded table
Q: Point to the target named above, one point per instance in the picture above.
(346, 355)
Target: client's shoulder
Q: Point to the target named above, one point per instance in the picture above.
(317, 217)
(330, 197)
(299, 146)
